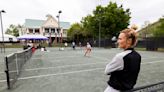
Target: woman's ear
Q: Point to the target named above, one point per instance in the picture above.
(129, 42)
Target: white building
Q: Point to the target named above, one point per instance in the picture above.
(49, 28)
(8, 38)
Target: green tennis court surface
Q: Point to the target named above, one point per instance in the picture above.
(70, 71)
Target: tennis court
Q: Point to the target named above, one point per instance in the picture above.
(70, 71)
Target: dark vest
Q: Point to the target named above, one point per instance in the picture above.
(126, 79)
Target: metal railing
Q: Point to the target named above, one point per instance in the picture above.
(157, 87)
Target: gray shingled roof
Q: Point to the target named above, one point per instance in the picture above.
(33, 23)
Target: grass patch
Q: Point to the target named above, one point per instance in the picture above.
(141, 49)
(161, 49)
(13, 46)
(144, 49)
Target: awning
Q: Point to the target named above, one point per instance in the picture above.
(32, 37)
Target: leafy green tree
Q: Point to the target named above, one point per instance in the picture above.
(75, 32)
(112, 19)
(109, 20)
(88, 26)
(13, 30)
(159, 32)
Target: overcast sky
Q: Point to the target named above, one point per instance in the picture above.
(73, 10)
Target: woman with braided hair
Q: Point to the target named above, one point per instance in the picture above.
(125, 66)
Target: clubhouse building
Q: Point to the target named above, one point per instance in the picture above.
(50, 28)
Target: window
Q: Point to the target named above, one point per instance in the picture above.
(58, 31)
(64, 31)
(10, 39)
(37, 31)
(46, 30)
(30, 30)
(53, 30)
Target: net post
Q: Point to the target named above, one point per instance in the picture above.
(7, 73)
(17, 63)
(25, 58)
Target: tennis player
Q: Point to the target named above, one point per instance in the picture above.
(88, 49)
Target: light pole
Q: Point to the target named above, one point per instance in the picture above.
(50, 40)
(2, 11)
(99, 20)
(99, 32)
(99, 25)
(57, 31)
(58, 16)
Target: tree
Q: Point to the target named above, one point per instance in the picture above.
(88, 23)
(155, 29)
(159, 32)
(112, 20)
(109, 20)
(75, 32)
(13, 30)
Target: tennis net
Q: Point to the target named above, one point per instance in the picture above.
(14, 63)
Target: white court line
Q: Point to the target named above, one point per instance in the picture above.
(31, 77)
(153, 62)
(2, 81)
(70, 65)
(102, 58)
(87, 70)
(63, 66)
(48, 60)
(151, 57)
(33, 69)
(75, 71)
(77, 65)
(55, 58)
(81, 65)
